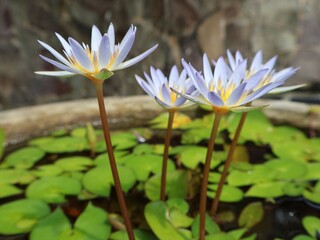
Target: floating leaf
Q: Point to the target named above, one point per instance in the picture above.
(59, 132)
(138, 234)
(228, 194)
(21, 216)
(40, 141)
(123, 140)
(220, 236)
(211, 227)
(312, 225)
(294, 189)
(53, 189)
(287, 169)
(1, 141)
(178, 203)
(161, 121)
(7, 190)
(144, 165)
(303, 237)
(266, 190)
(102, 160)
(99, 180)
(156, 214)
(177, 185)
(76, 163)
(313, 171)
(24, 158)
(47, 171)
(65, 145)
(251, 215)
(13, 176)
(237, 233)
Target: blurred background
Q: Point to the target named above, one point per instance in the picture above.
(182, 28)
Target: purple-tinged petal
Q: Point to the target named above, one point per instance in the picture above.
(215, 99)
(220, 72)
(104, 52)
(284, 74)
(207, 68)
(239, 57)
(165, 94)
(64, 43)
(192, 98)
(260, 92)
(145, 86)
(173, 76)
(132, 31)
(238, 74)
(95, 39)
(236, 94)
(149, 80)
(136, 59)
(124, 51)
(55, 53)
(256, 62)
(162, 78)
(188, 69)
(162, 103)
(286, 89)
(55, 73)
(200, 84)
(231, 60)
(180, 101)
(111, 36)
(270, 64)
(256, 79)
(60, 65)
(80, 54)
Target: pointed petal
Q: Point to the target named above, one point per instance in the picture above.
(255, 79)
(124, 51)
(238, 74)
(161, 103)
(136, 59)
(239, 57)
(284, 74)
(104, 52)
(95, 39)
(55, 53)
(231, 60)
(286, 89)
(173, 76)
(55, 73)
(192, 98)
(111, 36)
(80, 54)
(180, 101)
(270, 64)
(256, 62)
(207, 68)
(236, 94)
(145, 86)
(200, 84)
(220, 72)
(60, 65)
(165, 94)
(64, 43)
(132, 31)
(215, 99)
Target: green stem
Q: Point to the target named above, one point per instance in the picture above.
(205, 175)
(215, 204)
(165, 155)
(113, 165)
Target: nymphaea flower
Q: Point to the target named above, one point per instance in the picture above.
(158, 86)
(270, 76)
(229, 87)
(98, 61)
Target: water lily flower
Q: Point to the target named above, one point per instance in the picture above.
(103, 55)
(158, 86)
(229, 88)
(270, 76)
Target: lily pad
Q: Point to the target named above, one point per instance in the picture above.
(123, 140)
(228, 194)
(53, 189)
(287, 169)
(99, 180)
(76, 163)
(312, 225)
(13, 176)
(47, 171)
(102, 160)
(251, 215)
(144, 165)
(138, 234)
(177, 185)
(156, 214)
(266, 190)
(1, 141)
(24, 158)
(66, 144)
(21, 216)
(211, 226)
(90, 225)
(7, 190)
(161, 121)
(313, 171)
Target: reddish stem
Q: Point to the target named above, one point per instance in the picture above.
(165, 155)
(113, 165)
(215, 204)
(205, 175)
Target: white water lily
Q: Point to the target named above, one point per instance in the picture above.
(229, 88)
(158, 86)
(103, 55)
(270, 76)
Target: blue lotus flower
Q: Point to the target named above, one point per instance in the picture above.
(230, 87)
(270, 76)
(158, 86)
(103, 54)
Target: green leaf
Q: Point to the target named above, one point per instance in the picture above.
(123, 140)
(1, 141)
(24, 158)
(65, 144)
(178, 203)
(237, 233)
(251, 215)
(102, 160)
(312, 225)
(303, 237)
(266, 190)
(161, 121)
(156, 214)
(211, 227)
(103, 74)
(287, 169)
(313, 171)
(13, 176)
(313, 196)
(228, 194)
(53, 227)
(53, 189)
(220, 236)
(144, 165)
(7, 190)
(20, 216)
(177, 185)
(47, 171)
(75, 163)
(99, 180)
(179, 219)
(138, 234)
(294, 189)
